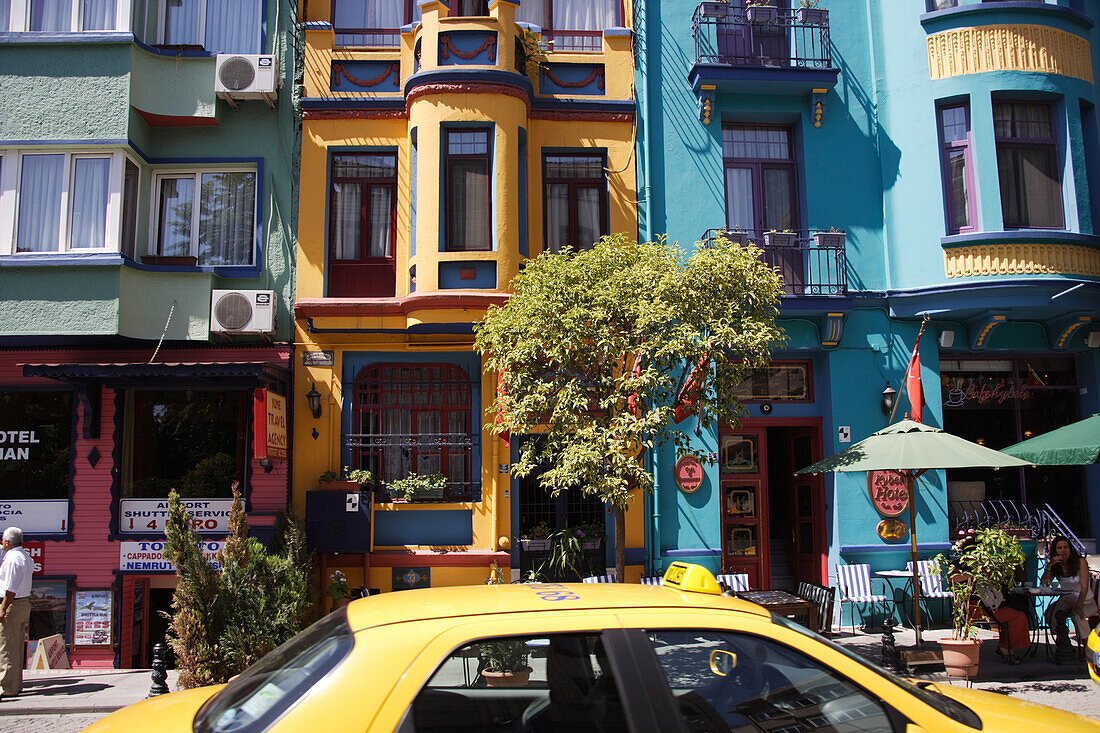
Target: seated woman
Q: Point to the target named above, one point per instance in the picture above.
(1008, 610)
(1071, 572)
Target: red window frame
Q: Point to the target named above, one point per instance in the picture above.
(367, 184)
(574, 185)
(455, 241)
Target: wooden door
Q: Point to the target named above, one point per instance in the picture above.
(808, 508)
(742, 472)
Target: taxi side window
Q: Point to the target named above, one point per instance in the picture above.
(724, 680)
(567, 686)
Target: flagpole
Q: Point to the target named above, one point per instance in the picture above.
(904, 381)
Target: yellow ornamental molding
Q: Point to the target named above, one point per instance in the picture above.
(1009, 48)
(1021, 259)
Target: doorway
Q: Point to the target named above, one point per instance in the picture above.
(160, 599)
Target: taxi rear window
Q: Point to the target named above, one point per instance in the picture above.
(267, 689)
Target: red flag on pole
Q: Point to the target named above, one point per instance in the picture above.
(912, 382)
(689, 394)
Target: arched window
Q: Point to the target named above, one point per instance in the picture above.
(414, 418)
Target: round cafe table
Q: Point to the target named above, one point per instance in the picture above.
(890, 576)
(1041, 597)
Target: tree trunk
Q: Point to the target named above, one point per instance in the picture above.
(620, 544)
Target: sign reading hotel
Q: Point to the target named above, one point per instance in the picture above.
(35, 516)
(148, 557)
(146, 516)
(888, 494)
(269, 422)
(16, 445)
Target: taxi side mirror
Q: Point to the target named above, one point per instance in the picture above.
(722, 662)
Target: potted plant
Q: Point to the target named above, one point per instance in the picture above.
(832, 239)
(354, 480)
(714, 9)
(338, 589)
(761, 11)
(567, 554)
(785, 238)
(590, 534)
(504, 662)
(737, 235)
(537, 538)
(982, 560)
(809, 13)
(419, 487)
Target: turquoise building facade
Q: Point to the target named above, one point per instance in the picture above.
(904, 164)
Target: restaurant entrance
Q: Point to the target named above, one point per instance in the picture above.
(773, 521)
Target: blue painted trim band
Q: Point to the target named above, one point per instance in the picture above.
(692, 552)
(1023, 6)
(617, 31)
(583, 105)
(1025, 236)
(174, 51)
(903, 547)
(484, 275)
(443, 76)
(26, 143)
(395, 102)
(438, 328)
(78, 37)
(727, 72)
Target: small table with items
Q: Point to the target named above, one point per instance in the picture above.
(1037, 618)
(784, 604)
(890, 576)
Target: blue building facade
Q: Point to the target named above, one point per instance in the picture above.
(910, 163)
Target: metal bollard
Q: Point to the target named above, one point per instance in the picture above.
(160, 672)
(890, 658)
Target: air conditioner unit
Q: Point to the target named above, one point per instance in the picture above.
(242, 311)
(240, 76)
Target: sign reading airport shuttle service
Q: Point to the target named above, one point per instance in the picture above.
(35, 516)
(148, 557)
(146, 516)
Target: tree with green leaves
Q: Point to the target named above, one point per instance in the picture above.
(601, 351)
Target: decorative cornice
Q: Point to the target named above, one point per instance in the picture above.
(322, 307)
(467, 87)
(585, 116)
(1021, 259)
(354, 114)
(1009, 48)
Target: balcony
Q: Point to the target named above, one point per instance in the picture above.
(811, 264)
(401, 453)
(782, 52)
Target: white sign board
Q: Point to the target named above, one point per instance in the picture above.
(145, 516)
(35, 516)
(149, 556)
(50, 653)
(92, 617)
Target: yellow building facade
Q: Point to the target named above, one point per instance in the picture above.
(443, 144)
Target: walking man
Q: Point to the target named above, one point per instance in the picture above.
(16, 570)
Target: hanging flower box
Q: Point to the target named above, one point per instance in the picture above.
(761, 14)
(737, 237)
(590, 545)
(714, 10)
(535, 545)
(830, 240)
(780, 239)
(813, 16)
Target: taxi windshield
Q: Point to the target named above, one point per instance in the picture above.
(951, 708)
(267, 689)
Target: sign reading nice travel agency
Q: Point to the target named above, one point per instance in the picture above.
(148, 557)
(269, 423)
(888, 494)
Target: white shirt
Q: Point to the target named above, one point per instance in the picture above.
(16, 573)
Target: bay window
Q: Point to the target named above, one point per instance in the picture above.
(1027, 165)
(571, 25)
(372, 22)
(467, 165)
(958, 167)
(208, 215)
(575, 200)
(62, 201)
(362, 217)
(218, 26)
(761, 179)
(58, 16)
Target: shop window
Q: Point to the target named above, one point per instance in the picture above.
(36, 430)
(217, 26)
(958, 167)
(415, 418)
(1027, 165)
(372, 22)
(761, 178)
(216, 229)
(575, 200)
(194, 441)
(49, 607)
(467, 165)
(362, 216)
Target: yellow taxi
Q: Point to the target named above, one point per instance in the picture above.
(1092, 654)
(584, 657)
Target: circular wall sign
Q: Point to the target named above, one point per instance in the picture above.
(689, 474)
(892, 529)
(888, 494)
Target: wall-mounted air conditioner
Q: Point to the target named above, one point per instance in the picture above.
(241, 76)
(242, 311)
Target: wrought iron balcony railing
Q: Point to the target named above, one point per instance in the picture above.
(755, 36)
(811, 264)
(424, 452)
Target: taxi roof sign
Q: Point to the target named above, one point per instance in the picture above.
(696, 578)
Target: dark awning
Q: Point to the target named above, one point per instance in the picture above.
(167, 375)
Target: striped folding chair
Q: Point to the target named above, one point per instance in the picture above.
(931, 582)
(854, 584)
(735, 582)
(609, 578)
(658, 580)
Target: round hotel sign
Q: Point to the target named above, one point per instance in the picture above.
(689, 474)
(888, 494)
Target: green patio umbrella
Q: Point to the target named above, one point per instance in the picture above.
(1076, 444)
(910, 448)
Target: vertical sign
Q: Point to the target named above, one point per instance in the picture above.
(36, 551)
(92, 613)
(269, 425)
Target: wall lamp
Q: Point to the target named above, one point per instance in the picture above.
(889, 399)
(313, 398)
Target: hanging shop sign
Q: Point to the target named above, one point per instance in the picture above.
(892, 529)
(147, 516)
(36, 551)
(689, 474)
(35, 516)
(269, 424)
(888, 494)
(148, 557)
(92, 614)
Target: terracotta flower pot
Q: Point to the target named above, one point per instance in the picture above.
(960, 657)
(507, 679)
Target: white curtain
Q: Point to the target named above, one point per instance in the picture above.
(361, 14)
(379, 222)
(532, 11)
(588, 217)
(585, 15)
(177, 196)
(5, 15)
(89, 202)
(50, 15)
(232, 26)
(226, 216)
(181, 22)
(345, 211)
(98, 15)
(739, 208)
(557, 216)
(39, 223)
(468, 206)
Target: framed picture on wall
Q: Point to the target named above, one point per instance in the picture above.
(93, 611)
(741, 501)
(739, 454)
(742, 541)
